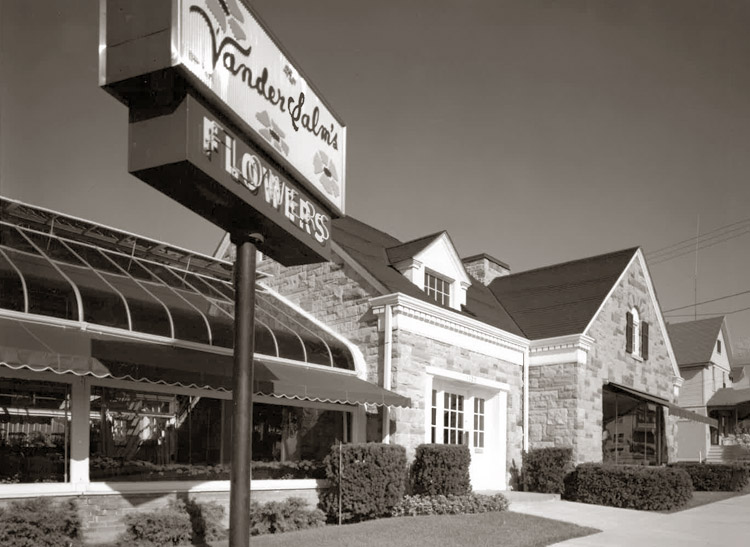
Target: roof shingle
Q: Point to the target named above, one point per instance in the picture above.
(560, 299)
(693, 341)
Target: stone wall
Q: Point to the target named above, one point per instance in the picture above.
(102, 514)
(412, 353)
(565, 400)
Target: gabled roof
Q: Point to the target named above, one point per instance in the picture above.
(561, 299)
(693, 341)
(728, 396)
(369, 247)
(411, 248)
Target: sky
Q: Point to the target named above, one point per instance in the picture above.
(535, 131)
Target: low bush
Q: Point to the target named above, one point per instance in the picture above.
(371, 479)
(633, 487)
(283, 516)
(169, 526)
(544, 469)
(441, 469)
(206, 520)
(708, 477)
(40, 523)
(412, 506)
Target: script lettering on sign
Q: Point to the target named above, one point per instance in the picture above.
(223, 45)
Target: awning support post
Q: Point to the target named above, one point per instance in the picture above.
(242, 389)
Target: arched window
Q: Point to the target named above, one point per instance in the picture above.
(636, 335)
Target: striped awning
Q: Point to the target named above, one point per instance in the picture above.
(48, 348)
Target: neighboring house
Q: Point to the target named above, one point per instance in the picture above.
(574, 354)
(703, 350)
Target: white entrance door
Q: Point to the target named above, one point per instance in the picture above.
(463, 414)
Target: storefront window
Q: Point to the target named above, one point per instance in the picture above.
(34, 431)
(137, 436)
(633, 429)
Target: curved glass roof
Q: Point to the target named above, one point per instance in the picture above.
(65, 268)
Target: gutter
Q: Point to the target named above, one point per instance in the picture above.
(387, 351)
(525, 365)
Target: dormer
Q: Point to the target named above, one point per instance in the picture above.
(432, 264)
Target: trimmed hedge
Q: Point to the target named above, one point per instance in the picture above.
(283, 516)
(544, 469)
(441, 469)
(40, 523)
(629, 486)
(725, 477)
(412, 506)
(169, 526)
(206, 520)
(371, 479)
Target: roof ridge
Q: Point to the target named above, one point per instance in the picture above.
(560, 264)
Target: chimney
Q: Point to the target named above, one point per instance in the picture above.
(484, 268)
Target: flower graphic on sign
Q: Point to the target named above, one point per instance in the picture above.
(272, 133)
(325, 167)
(227, 14)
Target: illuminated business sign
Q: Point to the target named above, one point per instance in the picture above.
(220, 49)
(194, 157)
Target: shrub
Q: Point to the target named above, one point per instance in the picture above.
(633, 487)
(162, 528)
(716, 476)
(412, 506)
(283, 516)
(40, 523)
(205, 519)
(441, 469)
(371, 480)
(544, 469)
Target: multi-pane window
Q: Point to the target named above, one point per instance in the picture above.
(437, 288)
(433, 421)
(478, 422)
(453, 418)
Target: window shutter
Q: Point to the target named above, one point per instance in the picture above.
(629, 333)
(644, 340)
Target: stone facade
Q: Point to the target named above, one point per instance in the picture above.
(484, 268)
(565, 400)
(339, 297)
(412, 353)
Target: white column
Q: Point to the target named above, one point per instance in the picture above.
(80, 407)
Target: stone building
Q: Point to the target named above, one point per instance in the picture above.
(573, 354)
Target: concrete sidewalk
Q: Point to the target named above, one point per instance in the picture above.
(722, 524)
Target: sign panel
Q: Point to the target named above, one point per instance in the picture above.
(221, 49)
(194, 157)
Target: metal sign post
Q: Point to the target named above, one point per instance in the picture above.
(242, 389)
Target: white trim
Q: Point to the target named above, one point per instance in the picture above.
(455, 259)
(32, 490)
(571, 348)
(360, 365)
(657, 308)
(432, 321)
(444, 374)
(612, 290)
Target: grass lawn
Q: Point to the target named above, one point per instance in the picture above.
(504, 528)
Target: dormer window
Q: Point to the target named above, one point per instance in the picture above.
(718, 347)
(636, 335)
(437, 288)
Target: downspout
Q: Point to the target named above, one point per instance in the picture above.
(387, 349)
(526, 399)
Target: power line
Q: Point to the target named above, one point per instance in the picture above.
(707, 301)
(704, 245)
(716, 313)
(669, 248)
